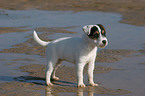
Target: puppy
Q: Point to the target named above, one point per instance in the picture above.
(80, 51)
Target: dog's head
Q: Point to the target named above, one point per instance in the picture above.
(97, 34)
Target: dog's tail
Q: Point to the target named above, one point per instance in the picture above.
(38, 40)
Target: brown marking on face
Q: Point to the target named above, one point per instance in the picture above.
(96, 32)
(102, 27)
(103, 31)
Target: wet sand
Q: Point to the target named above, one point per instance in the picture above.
(30, 47)
(132, 10)
(34, 83)
(11, 29)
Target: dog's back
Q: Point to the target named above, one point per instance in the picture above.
(64, 48)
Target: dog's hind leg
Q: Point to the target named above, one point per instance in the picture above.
(48, 73)
(53, 76)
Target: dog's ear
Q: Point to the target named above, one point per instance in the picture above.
(101, 27)
(87, 29)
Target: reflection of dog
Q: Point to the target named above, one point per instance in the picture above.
(81, 51)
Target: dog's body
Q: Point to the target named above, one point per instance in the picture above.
(80, 51)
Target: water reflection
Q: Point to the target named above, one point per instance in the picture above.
(52, 91)
(90, 91)
(48, 91)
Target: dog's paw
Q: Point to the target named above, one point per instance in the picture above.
(94, 84)
(50, 84)
(55, 78)
(81, 86)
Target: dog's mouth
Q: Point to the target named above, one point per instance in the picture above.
(103, 45)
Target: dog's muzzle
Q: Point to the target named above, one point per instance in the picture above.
(103, 44)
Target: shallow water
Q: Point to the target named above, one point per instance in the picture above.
(10, 63)
(120, 36)
(9, 39)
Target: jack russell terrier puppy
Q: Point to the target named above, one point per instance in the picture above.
(80, 51)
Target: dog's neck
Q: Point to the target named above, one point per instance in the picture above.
(88, 42)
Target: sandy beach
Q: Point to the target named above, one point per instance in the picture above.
(33, 84)
(132, 10)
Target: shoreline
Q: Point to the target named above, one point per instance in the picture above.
(132, 10)
(34, 83)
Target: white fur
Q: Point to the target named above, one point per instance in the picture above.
(80, 51)
(36, 38)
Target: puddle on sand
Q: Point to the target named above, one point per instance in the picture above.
(9, 39)
(120, 36)
(10, 63)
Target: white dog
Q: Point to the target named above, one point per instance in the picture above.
(81, 51)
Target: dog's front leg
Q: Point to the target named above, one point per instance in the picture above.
(79, 68)
(90, 73)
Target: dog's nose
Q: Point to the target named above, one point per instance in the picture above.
(104, 42)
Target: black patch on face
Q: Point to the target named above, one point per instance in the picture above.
(103, 31)
(94, 34)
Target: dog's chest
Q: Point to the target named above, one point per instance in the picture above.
(88, 56)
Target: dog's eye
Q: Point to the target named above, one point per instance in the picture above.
(96, 35)
(96, 32)
(103, 33)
